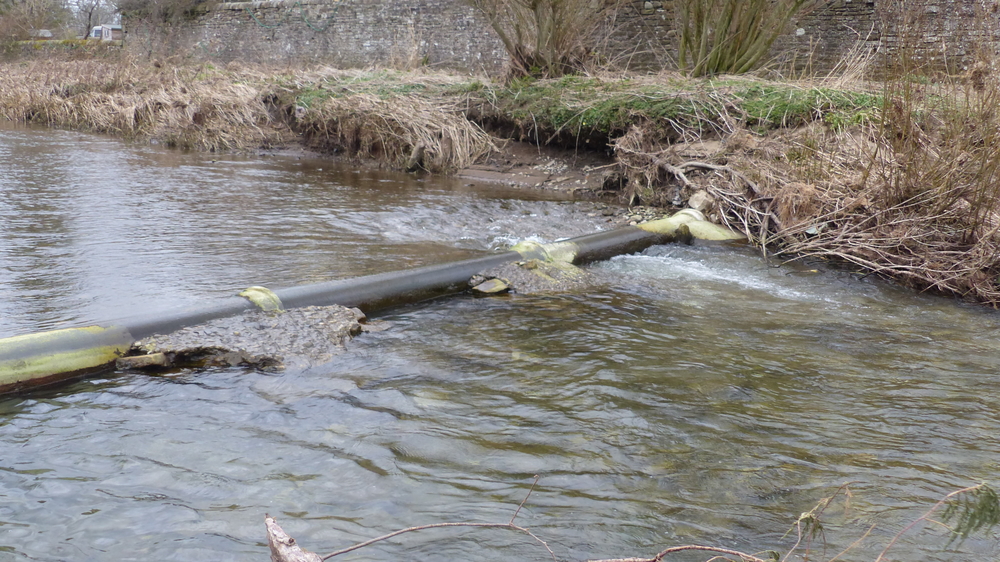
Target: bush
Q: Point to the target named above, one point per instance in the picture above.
(730, 36)
(544, 38)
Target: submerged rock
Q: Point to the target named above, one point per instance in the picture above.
(532, 277)
(301, 337)
(491, 287)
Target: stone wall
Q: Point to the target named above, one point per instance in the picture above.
(820, 38)
(941, 34)
(345, 33)
(638, 33)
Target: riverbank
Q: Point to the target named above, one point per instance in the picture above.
(814, 168)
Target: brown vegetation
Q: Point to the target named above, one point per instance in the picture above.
(239, 108)
(433, 134)
(187, 107)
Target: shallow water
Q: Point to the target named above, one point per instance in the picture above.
(697, 394)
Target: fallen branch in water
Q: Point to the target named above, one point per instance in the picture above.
(978, 509)
(284, 549)
(511, 526)
(743, 556)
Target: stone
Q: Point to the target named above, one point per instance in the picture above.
(301, 337)
(494, 286)
(701, 201)
(535, 277)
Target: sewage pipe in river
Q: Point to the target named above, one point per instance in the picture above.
(36, 359)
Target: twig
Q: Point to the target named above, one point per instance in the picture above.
(855, 543)
(437, 526)
(925, 517)
(509, 525)
(813, 516)
(746, 557)
(526, 496)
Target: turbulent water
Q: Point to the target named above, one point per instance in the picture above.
(697, 394)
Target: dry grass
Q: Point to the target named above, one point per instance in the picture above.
(926, 210)
(909, 191)
(190, 107)
(386, 115)
(913, 196)
(238, 108)
(389, 130)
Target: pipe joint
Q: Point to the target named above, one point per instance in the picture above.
(263, 298)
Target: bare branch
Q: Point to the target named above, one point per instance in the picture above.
(509, 525)
(743, 556)
(528, 495)
(925, 517)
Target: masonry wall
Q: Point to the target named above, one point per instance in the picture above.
(346, 33)
(640, 34)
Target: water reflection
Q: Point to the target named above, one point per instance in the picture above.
(694, 395)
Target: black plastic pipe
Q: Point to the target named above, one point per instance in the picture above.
(30, 360)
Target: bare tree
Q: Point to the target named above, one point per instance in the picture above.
(93, 12)
(19, 18)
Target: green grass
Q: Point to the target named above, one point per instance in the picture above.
(575, 106)
(593, 106)
(774, 106)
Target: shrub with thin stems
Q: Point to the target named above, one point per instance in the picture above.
(730, 36)
(544, 38)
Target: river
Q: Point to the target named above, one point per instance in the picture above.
(697, 394)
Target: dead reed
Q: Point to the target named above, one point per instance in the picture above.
(912, 195)
(907, 187)
(238, 108)
(197, 108)
(407, 131)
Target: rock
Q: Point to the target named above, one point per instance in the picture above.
(701, 201)
(301, 336)
(536, 276)
(494, 286)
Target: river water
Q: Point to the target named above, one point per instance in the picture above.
(697, 394)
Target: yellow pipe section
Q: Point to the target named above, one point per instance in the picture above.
(696, 225)
(31, 359)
